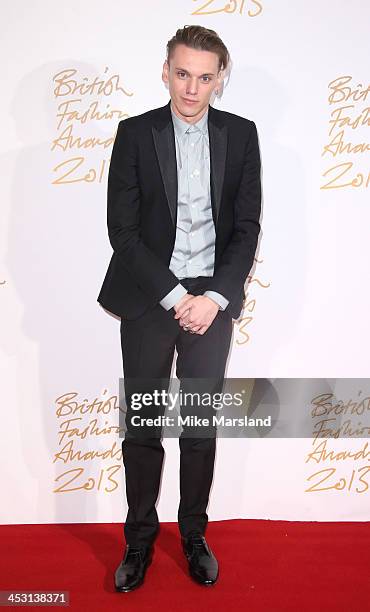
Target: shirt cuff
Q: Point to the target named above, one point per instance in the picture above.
(218, 298)
(173, 297)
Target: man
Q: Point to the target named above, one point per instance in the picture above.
(184, 200)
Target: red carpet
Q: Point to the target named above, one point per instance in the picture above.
(264, 565)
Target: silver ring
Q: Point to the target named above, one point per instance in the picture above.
(186, 328)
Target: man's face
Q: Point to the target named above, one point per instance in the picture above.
(192, 76)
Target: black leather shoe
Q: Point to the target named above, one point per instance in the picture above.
(203, 566)
(131, 571)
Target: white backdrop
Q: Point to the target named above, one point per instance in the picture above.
(70, 73)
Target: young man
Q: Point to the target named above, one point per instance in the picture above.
(184, 200)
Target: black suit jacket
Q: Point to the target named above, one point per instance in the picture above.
(142, 209)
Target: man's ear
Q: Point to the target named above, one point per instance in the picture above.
(165, 70)
(219, 80)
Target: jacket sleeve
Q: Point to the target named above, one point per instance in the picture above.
(123, 219)
(237, 259)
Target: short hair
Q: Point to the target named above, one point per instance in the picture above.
(198, 37)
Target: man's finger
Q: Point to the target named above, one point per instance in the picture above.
(183, 310)
(186, 322)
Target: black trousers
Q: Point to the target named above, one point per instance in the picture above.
(148, 346)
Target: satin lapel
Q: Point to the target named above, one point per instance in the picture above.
(164, 142)
(217, 132)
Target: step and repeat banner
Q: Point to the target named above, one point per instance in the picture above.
(300, 71)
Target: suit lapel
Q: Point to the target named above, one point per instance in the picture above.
(217, 132)
(164, 142)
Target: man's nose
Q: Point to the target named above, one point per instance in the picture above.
(192, 87)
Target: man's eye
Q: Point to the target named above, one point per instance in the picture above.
(181, 74)
(206, 79)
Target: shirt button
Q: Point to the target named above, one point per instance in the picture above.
(192, 144)
(196, 172)
(189, 260)
(192, 176)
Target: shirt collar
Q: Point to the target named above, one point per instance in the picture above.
(181, 126)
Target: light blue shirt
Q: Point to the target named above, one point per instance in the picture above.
(194, 250)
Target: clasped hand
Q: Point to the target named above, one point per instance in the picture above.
(196, 312)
